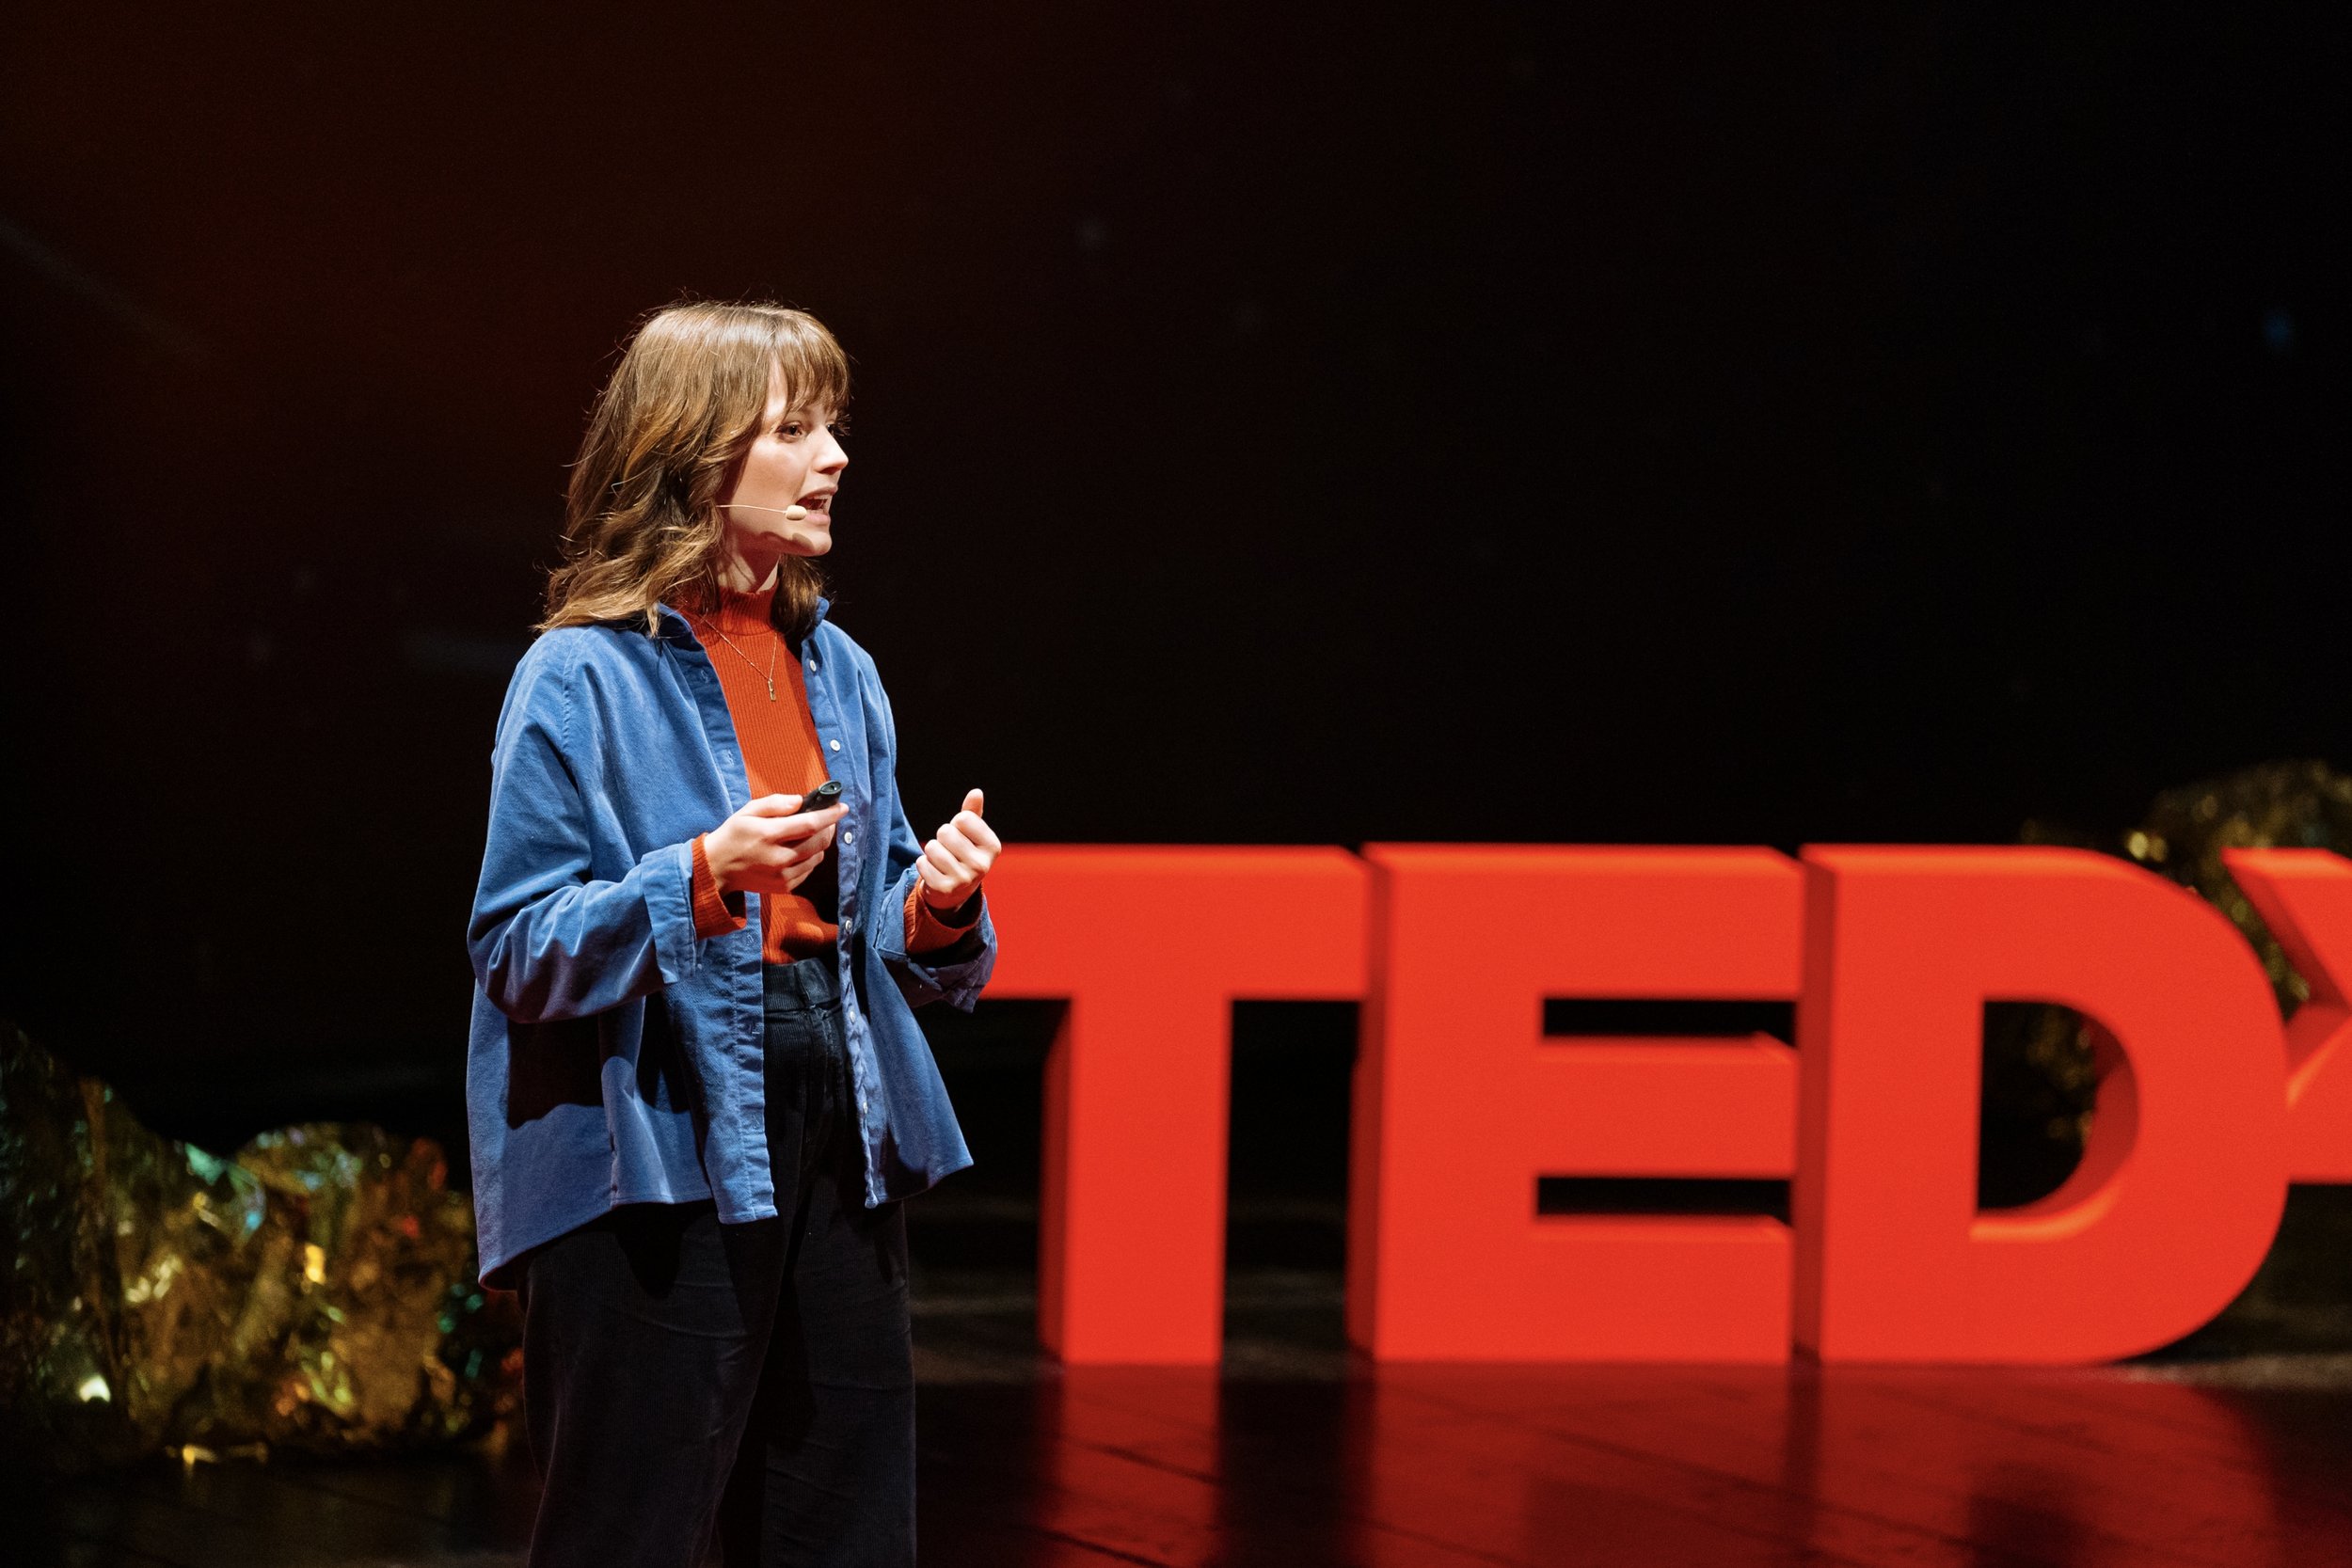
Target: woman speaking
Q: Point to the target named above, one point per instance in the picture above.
(696, 1086)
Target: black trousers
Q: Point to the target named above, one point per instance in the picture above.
(683, 1379)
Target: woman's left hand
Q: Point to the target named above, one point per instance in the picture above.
(958, 856)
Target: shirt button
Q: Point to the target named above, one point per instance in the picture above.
(812, 666)
(849, 838)
(848, 927)
(834, 744)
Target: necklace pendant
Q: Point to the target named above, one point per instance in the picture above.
(772, 689)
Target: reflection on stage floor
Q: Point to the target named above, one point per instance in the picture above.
(1296, 1454)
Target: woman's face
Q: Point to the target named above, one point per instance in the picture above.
(794, 461)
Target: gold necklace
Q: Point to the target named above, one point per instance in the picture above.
(770, 674)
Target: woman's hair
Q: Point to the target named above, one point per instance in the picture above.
(641, 521)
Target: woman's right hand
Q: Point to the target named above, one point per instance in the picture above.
(770, 846)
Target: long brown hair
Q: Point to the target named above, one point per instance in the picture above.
(664, 445)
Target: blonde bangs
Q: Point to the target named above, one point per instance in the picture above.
(816, 371)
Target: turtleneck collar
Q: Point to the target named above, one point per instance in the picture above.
(740, 614)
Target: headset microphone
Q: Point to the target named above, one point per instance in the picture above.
(791, 513)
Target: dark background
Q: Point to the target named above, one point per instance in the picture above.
(1290, 423)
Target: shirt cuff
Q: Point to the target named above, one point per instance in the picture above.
(931, 931)
(716, 913)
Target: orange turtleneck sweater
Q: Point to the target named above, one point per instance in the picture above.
(781, 754)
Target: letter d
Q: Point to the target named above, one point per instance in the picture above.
(2183, 1173)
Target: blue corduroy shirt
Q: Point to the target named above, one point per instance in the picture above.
(615, 1055)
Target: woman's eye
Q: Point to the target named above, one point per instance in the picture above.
(789, 431)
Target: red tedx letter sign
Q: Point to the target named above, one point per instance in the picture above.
(1153, 946)
(1461, 1104)
(2305, 898)
(2183, 1178)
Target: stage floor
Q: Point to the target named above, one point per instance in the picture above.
(1297, 1455)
